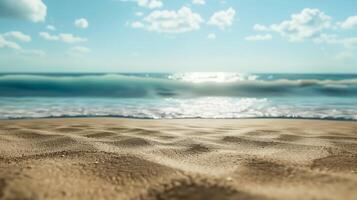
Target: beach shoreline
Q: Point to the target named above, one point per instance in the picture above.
(118, 158)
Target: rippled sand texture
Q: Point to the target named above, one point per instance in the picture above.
(107, 158)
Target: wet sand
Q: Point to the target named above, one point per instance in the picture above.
(108, 158)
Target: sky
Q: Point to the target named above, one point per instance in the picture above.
(265, 36)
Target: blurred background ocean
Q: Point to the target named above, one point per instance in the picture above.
(179, 95)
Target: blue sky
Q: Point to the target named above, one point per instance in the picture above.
(302, 36)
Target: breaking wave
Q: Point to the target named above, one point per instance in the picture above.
(127, 86)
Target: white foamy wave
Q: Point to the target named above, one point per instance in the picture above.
(214, 77)
(171, 108)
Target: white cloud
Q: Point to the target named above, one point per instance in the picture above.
(166, 21)
(310, 24)
(139, 14)
(259, 37)
(327, 39)
(18, 36)
(349, 42)
(51, 27)
(137, 24)
(8, 44)
(81, 23)
(350, 22)
(48, 36)
(200, 2)
(69, 38)
(307, 24)
(150, 3)
(345, 55)
(223, 18)
(79, 50)
(32, 10)
(63, 37)
(211, 36)
(259, 27)
(33, 52)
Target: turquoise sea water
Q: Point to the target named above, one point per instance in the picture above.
(180, 95)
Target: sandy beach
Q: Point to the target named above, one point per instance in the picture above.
(108, 158)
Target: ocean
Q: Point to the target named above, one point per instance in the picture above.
(179, 95)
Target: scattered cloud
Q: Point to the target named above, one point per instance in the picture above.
(311, 24)
(18, 36)
(211, 36)
(137, 24)
(69, 38)
(166, 21)
(345, 55)
(81, 23)
(33, 52)
(150, 3)
(8, 44)
(307, 24)
(63, 37)
(349, 23)
(5, 43)
(259, 27)
(199, 2)
(349, 42)
(139, 14)
(223, 19)
(32, 10)
(79, 50)
(259, 37)
(48, 36)
(51, 27)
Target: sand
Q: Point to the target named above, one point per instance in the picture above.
(108, 158)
